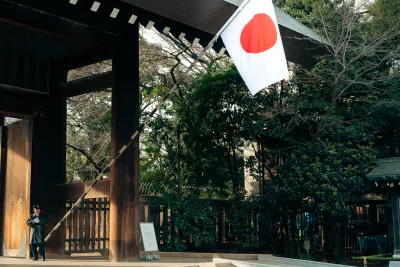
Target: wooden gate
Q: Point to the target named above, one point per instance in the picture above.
(16, 198)
(87, 228)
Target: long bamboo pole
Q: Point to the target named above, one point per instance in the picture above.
(147, 120)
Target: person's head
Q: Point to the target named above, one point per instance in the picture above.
(36, 209)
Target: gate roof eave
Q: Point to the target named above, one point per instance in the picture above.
(196, 18)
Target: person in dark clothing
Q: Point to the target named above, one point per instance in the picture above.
(37, 222)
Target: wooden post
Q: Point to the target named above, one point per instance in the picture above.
(124, 184)
(395, 199)
(49, 160)
(3, 140)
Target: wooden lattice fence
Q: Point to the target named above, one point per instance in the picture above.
(87, 229)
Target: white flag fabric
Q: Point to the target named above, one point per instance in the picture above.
(254, 43)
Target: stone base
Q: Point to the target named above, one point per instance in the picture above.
(394, 264)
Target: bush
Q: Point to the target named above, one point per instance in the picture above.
(245, 228)
(190, 218)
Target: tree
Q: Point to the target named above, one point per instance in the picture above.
(89, 116)
(318, 178)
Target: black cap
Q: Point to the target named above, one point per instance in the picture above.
(36, 207)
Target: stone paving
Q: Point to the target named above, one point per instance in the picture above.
(164, 262)
(195, 260)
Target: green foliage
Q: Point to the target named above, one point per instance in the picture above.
(244, 218)
(315, 136)
(192, 218)
(320, 176)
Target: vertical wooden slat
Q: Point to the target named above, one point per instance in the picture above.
(141, 211)
(87, 224)
(70, 223)
(93, 220)
(156, 218)
(66, 233)
(146, 212)
(165, 214)
(99, 206)
(75, 227)
(80, 225)
(71, 228)
(105, 224)
(156, 211)
(65, 237)
(223, 225)
(215, 209)
(220, 226)
(151, 214)
(108, 224)
(165, 219)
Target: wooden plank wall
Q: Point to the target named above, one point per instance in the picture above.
(17, 185)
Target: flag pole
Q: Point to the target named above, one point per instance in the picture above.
(238, 10)
(147, 120)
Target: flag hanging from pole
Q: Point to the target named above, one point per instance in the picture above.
(254, 43)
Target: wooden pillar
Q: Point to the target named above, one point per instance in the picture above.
(3, 140)
(395, 199)
(124, 184)
(49, 160)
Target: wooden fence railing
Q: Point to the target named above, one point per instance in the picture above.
(87, 229)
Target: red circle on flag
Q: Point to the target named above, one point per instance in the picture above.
(259, 34)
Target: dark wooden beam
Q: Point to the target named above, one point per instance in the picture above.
(22, 104)
(86, 85)
(47, 23)
(83, 58)
(20, 90)
(21, 101)
(79, 13)
(124, 186)
(75, 190)
(101, 19)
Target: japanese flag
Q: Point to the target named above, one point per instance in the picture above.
(254, 43)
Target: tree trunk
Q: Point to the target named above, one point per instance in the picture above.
(235, 164)
(231, 170)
